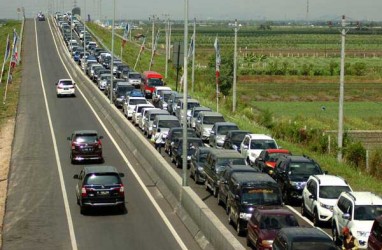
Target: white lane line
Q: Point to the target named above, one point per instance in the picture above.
(151, 198)
(58, 161)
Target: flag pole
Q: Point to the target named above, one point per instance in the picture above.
(140, 52)
(5, 59)
(6, 85)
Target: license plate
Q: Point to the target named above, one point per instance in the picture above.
(103, 192)
(66, 89)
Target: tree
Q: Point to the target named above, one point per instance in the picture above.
(226, 71)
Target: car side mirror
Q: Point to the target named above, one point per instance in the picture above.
(121, 175)
(245, 147)
(212, 132)
(154, 126)
(75, 176)
(312, 196)
(346, 216)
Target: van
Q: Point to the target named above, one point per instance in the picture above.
(149, 119)
(164, 123)
(375, 237)
(204, 123)
(247, 191)
(151, 79)
(191, 103)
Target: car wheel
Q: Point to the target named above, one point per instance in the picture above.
(316, 220)
(303, 209)
(239, 230)
(220, 203)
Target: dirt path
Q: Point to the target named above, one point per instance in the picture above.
(6, 138)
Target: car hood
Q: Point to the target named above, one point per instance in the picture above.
(268, 234)
(330, 202)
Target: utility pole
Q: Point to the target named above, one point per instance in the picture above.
(84, 37)
(193, 57)
(153, 17)
(234, 69)
(184, 119)
(167, 28)
(341, 98)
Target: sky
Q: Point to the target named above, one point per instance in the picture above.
(206, 9)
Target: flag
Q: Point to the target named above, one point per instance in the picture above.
(7, 48)
(191, 48)
(218, 60)
(125, 35)
(156, 42)
(14, 59)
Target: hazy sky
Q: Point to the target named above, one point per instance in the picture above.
(205, 9)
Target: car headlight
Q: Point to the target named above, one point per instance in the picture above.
(147, 91)
(200, 169)
(297, 185)
(363, 234)
(220, 138)
(326, 206)
(235, 147)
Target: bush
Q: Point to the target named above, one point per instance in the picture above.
(265, 119)
(375, 163)
(355, 154)
(359, 68)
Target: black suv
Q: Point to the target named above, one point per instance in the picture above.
(85, 145)
(100, 186)
(302, 238)
(292, 172)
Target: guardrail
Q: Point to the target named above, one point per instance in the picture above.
(203, 224)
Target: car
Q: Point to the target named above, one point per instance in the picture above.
(177, 150)
(265, 223)
(130, 103)
(156, 93)
(320, 195)
(85, 145)
(253, 144)
(120, 68)
(163, 99)
(164, 123)
(198, 160)
(179, 110)
(218, 133)
(173, 135)
(65, 87)
(204, 123)
(246, 192)
(194, 113)
(217, 161)
(133, 78)
(102, 81)
(100, 186)
(292, 173)
(40, 16)
(143, 119)
(267, 159)
(301, 238)
(136, 116)
(375, 239)
(150, 80)
(172, 101)
(226, 175)
(357, 211)
(234, 138)
(149, 120)
(120, 92)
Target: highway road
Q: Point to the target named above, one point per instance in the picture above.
(41, 211)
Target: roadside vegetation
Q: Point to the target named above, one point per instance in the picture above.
(296, 108)
(9, 108)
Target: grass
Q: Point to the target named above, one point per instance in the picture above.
(9, 108)
(360, 114)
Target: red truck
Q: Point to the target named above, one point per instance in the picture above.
(150, 80)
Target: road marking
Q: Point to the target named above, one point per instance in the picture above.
(143, 186)
(58, 161)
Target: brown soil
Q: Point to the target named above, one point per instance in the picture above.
(6, 138)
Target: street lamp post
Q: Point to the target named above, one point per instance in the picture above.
(234, 70)
(112, 55)
(185, 88)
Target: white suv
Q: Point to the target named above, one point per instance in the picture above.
(253, 144)
(320, 195)
(357, 211)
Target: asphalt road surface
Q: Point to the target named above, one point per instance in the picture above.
(41, 211)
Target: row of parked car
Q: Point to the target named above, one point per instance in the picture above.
(249, 174)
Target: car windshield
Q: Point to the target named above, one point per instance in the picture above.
(196, 112)
(66, 83)
(238, 137)
(135, 76)
(203, 157)
(191, 146)
(332, 192)
(367, 212)
(261, 196)
(168, 124)
(213, 119)
(166, 96)
(223, 130)
(263, 144)
(304, 168)
(155, 82)
(102, 179)
(137, 101)
(106, 78)
(303, 245)
(190, 105)
(272, 157)
(86, 138)
(231, 161)
(124, 89)
(270, 222)
(179, 133)
(140, 108)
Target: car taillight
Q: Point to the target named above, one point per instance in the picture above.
(99, 144)
(73, 145)
(121, 190)
(83, 192)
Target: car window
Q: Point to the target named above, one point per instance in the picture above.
(223, 130)
(278, 221)
(155, 82)
(66, 83)
(190, 105)
(304, 168)
(367, 212)
(230, 161)
(102, 179)
(137, 101)
(213, 119)
(332, 192)
(263, 144)
(261, 196)
(85, 138)
(168, 123)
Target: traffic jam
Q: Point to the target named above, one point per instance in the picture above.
(251, 177)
